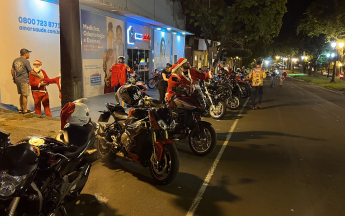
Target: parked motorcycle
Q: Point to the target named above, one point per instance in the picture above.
(38, 175)
(232, 99)
(187, 114)
(141, 136)
(153, 82)
(210, 97)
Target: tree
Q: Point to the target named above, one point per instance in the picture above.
(324, 17)
(234, 24)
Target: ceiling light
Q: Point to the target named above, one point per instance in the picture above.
(113, 10)
(183, 32)
(169, 29)
(158, 29)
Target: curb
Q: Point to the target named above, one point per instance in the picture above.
(331, 90)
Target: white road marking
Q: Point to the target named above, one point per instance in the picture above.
(207, 180)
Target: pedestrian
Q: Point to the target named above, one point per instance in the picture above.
(273, 77)
(38, 82)
(257, 77)
(163, 82)
(20, 73)
(119, 76)
(282, 78)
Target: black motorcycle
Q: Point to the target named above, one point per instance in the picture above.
(211, 99)
(232, 98)
(38, 175)
(140, 136)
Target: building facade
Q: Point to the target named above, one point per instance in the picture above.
(147, 32)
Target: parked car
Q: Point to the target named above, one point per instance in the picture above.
(325, 73)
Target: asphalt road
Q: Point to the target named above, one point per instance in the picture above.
(284, 159)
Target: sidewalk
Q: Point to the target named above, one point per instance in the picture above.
(97, 104)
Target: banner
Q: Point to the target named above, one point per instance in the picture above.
(102, 43)
(162, 49)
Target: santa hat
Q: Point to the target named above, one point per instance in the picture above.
(66, 112)
(174, 68)
(38, 62)
(181, 61)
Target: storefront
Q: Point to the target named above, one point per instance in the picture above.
(104, 37)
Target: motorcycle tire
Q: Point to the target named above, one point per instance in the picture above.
(221, 114)
(152, 83)
(213, 141)
(234, 104)
(105, 154)
(171, 157)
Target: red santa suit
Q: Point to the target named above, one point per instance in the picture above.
(172, 84)
(40, 93)
(119, 74)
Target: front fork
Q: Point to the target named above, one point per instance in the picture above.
(13, 206)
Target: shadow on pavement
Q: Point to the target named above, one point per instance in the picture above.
(186, 187)
(251, 135)
(89, 205)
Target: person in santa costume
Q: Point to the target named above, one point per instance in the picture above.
(190, 74)
(119, 76)
(176, 72)
(38, 81)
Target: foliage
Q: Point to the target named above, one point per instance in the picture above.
(324, 17)
(236, 24)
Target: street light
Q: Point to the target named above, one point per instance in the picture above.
(334, 44)
(341, 45)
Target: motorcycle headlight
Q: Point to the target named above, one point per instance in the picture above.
(162, 124)
(9, 184)
(172, 125)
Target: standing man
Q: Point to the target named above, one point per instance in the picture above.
(163, 82)
(282, 77)
(119, 76)
(20, 73)
(257, 77)
(273, 77)
(38, 82)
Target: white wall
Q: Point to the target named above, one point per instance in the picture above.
(45, 46)
(178, 47)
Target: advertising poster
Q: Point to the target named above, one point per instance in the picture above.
(102, 43)
(162, 49)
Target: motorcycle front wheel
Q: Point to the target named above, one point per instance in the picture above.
(233, 102)
(203, 139)
(152, 83)
(104, 152)
(165, 171)
(218, 111)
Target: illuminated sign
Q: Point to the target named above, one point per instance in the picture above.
(132, 36)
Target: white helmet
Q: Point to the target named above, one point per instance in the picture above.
(76, 113)
(80, 116)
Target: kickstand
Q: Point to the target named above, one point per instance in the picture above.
(63, 211)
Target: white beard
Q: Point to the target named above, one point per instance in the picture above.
(37, 69)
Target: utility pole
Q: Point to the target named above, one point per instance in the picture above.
(70, 49)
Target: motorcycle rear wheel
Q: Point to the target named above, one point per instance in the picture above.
(203, 148)
(218, 111)
(166, 170)
(152, 83)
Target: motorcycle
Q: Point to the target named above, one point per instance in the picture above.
(211, 100)
(133, 79)
(232, 98)
(187, 112)
(38, 175)
(140, 136)
(153, 82)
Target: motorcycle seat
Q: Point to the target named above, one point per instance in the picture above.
(78, 136)
(156, 103)
(121, 115)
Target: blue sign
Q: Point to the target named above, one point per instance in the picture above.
(96, 79)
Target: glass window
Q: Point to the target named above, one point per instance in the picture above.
(130, 58)
(147, 59)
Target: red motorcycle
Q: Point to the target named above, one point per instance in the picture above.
(187, 112)
(153, 82)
